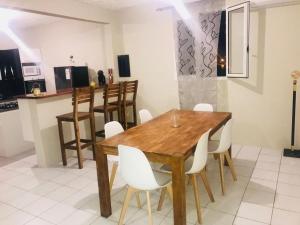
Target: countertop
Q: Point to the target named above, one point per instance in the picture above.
(52, 94)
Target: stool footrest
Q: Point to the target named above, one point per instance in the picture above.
(71, 145)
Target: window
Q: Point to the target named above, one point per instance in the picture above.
(237, 41)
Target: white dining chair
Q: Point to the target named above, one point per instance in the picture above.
(111, 129)
(195, 166)
(145, 115)
(220, 149)
(204, 107)
(138, 174)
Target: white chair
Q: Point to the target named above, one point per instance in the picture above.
(111, 129)
(220, 149)
(204, 107)
(145, 115)
(138, 174)
(195, 166)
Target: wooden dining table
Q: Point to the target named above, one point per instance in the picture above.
(162, 143)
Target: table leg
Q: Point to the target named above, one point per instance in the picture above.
(225, 161)
(179, 202)
(103, 183)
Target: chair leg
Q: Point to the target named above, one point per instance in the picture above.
(78, 147)
(161, 198)
(138, 200)
(106, 118)
(221, 167)
(125, 118)
(197, 197)
(62, 143)
(163, 195)
(93, 135)
(206, 185)
(150, 221)
(134, 115)
(113, 175)
(125, 205)
(215, 156)
(111, 116)
(170, 191)
(230, 164)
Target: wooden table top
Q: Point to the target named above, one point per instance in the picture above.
(158, 136)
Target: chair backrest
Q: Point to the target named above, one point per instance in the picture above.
(204, 107)
(135, 169)
(129, 88)
(112, 93)
(112, 128)
(200, 155)
(225, 140)
(83, 95)
(145, 115)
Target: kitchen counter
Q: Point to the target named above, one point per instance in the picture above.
(53, 94)
(39, 123)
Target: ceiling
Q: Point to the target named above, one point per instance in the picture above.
(21, 20)
(119, 4)
(114, 4)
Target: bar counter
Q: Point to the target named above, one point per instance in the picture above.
(39, 123)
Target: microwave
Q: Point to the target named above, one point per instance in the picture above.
(31, 69)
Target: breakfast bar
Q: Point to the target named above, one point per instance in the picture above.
(39, 124)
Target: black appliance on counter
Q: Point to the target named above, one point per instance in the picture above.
(11, 77)
(71, 77)
(30, 83)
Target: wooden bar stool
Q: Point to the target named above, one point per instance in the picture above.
(112, 102)
(80, 95)
(129, 99)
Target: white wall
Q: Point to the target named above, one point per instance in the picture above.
(58, 41)
(261, 105)
(148, 39)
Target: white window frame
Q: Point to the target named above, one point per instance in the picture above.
(246, 7)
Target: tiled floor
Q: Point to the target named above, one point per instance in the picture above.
(267, 192)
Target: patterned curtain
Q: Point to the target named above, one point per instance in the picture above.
(197, 49)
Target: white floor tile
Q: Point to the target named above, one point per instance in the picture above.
(265, 174)
(290, 169)
(22, 201)
(264, 185)
(79, 199)
(7, 174)
(282, 217)
(79, 218)
(103, 221)
(45, 188)
(255, 212)
(61, 193)
(212, 217)
(267, 166)
(65, 178)
(269, 158)
(17, 218)
(259, 197)
(6, 210)
(243, 221)
(79, 183)
(38, 221)
(287, 203)
(141, 217)
(41, 205)
(290, 161)
(289, 178)
(11, 194)
(57, 213)
(288, 189)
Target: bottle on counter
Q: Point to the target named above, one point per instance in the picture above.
(101, 78)
(110, 76)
